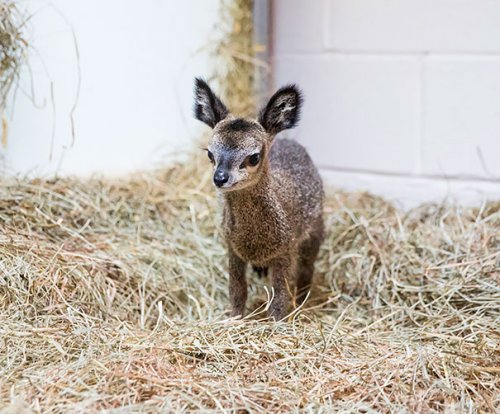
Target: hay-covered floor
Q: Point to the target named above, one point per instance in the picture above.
(113, 297)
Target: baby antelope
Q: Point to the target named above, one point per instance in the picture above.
(271, 196)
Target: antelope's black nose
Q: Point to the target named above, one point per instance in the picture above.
(220, 178)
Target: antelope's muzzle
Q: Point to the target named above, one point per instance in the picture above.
(221, 177)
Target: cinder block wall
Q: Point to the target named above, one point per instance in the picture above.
(402, 96)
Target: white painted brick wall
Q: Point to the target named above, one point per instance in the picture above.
(402, 96)
(413, 25)
(461, 116)
(371, 124)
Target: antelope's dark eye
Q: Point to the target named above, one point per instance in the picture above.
(253, 159)
(210, 156)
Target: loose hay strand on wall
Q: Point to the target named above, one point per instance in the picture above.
(113, 293)
(13, 48)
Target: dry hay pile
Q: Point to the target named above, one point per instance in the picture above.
(113, 297)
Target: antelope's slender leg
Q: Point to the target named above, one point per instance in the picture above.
(237, 285)
(307, 256)
(281, 269)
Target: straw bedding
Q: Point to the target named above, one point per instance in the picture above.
(113, 297)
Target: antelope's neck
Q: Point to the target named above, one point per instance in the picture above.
(252, 197)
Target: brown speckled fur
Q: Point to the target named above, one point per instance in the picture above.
(272, 212)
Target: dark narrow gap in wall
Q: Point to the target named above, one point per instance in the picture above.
(262, 15)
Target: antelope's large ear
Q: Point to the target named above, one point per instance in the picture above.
(283, 110)
(208, 107)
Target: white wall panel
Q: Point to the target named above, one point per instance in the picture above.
(137, 63)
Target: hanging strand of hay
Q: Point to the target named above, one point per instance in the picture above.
(13, 48)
